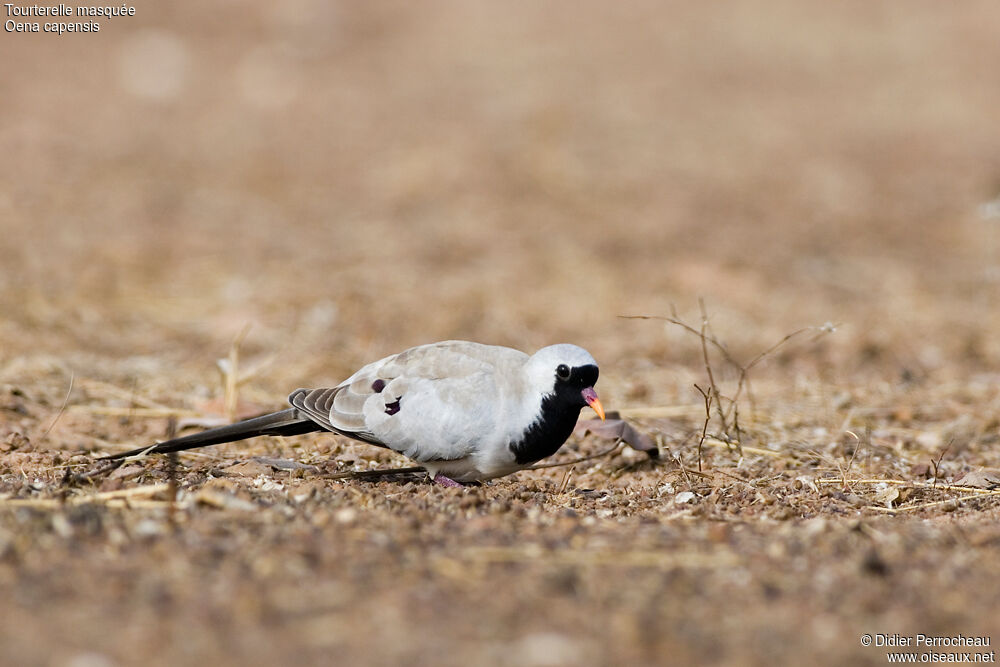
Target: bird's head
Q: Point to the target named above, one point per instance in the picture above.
(567, 372)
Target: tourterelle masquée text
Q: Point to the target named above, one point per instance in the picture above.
(19, 17)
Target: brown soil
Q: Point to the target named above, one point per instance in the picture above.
(351, 181)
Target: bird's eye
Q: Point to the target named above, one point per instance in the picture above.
(562, 371)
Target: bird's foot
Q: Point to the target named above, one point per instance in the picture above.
(447, 482)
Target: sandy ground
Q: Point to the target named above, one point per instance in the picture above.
(336, 182)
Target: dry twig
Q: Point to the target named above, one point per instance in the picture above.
(707, 395)
(728, 415)
(62, 408)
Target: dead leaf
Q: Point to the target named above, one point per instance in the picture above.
(615, 428)
(886, 494)
(980, 479)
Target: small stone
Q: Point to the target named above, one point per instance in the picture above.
(148, 528)
(346, 515)
(684, 497)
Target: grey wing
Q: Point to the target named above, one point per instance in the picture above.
(318, 405)
(426, 402)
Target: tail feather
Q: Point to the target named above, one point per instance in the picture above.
(286, 422)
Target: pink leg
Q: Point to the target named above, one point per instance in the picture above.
(447, 481)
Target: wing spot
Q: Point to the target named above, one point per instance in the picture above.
(378, 386)
(393, 408)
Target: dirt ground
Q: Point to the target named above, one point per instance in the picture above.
(331, 183)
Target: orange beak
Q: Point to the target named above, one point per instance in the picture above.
(590, 396)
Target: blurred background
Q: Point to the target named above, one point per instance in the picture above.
(341, 180)
(354, 178)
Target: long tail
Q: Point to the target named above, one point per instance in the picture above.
(286, 422)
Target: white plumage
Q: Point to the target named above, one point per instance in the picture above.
(464, 411)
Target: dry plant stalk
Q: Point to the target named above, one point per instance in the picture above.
(619, 558)
(911, 485)
(148, 413)
(103, 497)
(232, 378)
(707, 395)
(934, 503)
(970, 492)
(726, 413)
(607, 452)
(100, 386)
(173, 487)
(62, 408)
(230, 369)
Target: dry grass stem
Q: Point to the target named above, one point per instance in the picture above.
(952, 502)
(102, 387)
(662, 412)
(146, 413)
(728, 415)
(231, 375)
(607, 452)
(628, 558)
(715, 442)
(909, 484)
(62, 408)
(102, 497)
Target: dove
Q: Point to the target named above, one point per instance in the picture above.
(465, 412)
